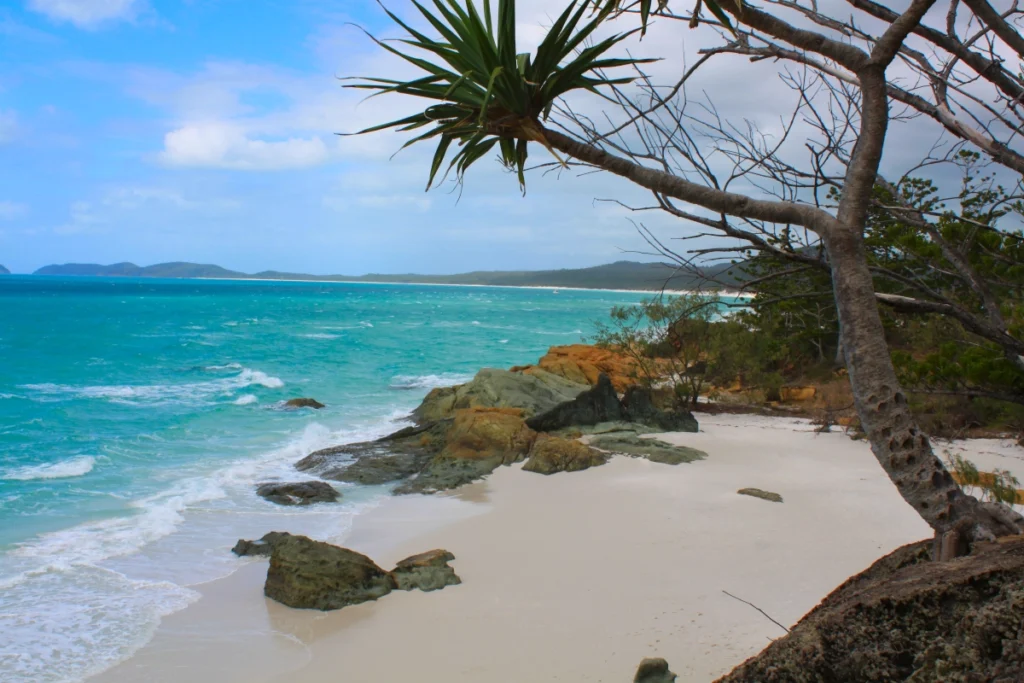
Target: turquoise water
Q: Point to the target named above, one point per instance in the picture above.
(136, 416)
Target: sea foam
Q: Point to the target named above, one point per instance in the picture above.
(412, 382)
(75, 467)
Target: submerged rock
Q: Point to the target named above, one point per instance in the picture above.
(764, 495)
(261, 548)
(492, 388)
(304, 403)
(310, 574)
(298, 493)
(552, 454)
(654, 671)
(907, 618)
(654, 450)
(427, 571)
(478, 441)
(598, 404)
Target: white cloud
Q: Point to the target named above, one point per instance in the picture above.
(12, 210)
(86, 13)
(219, 145)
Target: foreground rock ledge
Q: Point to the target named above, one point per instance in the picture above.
(907, 618)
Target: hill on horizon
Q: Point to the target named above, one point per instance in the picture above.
(618, 275)
(4, 271)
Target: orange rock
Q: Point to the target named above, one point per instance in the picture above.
(797, 394)
(484, 433)
(583, 364)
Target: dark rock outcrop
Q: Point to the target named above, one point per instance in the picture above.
(654, 671)
(304, 403)
(552, 454)
(909, 619)
(260, 548)
(427, 571)
(531, 393)
(598, 404)
(392, 458)
(298, 493)
(654, 450)
(478, 441)
(310, 574)
(638, 405)
(763, 495)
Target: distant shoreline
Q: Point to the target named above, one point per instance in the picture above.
(727, 293)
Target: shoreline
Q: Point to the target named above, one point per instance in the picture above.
(574, 576)
(725, 293)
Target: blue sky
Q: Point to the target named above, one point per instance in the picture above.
(204, 130)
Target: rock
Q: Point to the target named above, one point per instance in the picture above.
(654, 671)
(652, 449)
(478, 441)
(764, 495)
(584, 364)
(552, 454)
(491, 388)
(304, 403)
(639, 407)
(598, 404)
(909, 619)
(797, 394)
(427, 571)
(298, 493)
(310, 574)
(394, 457)
(260, 548)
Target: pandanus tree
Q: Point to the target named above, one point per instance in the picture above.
(482, 93)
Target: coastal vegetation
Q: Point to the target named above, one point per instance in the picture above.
(483, 94)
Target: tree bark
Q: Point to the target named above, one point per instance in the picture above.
(901, 448)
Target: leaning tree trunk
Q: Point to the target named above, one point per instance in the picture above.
(902, 449)
(904, 452)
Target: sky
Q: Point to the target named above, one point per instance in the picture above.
(207, 131)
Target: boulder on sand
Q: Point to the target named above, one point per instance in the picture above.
(763, 495)
(600, 403)
(552, 454)
(492, 388)
(297, 493)
(427, 571)
(478, 441)
(639, 407)
(654, 671)
(907, 618)
(632, 444)
(310, 574)
(385, 460)
(261, 548)
(304, 403)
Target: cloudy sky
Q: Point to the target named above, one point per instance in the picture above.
(204, 130)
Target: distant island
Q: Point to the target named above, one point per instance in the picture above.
(618, 275)
(4, 271)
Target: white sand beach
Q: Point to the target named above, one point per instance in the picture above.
(574, 576)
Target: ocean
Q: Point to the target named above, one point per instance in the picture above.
(136, 416)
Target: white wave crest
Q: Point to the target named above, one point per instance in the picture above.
(75, 467)
(245, 400)
(446, 379)
(319, 335)
(157, 394)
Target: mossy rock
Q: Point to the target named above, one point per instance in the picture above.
(553, 454)
(634, 445)
(427, 571)
(763, 495)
